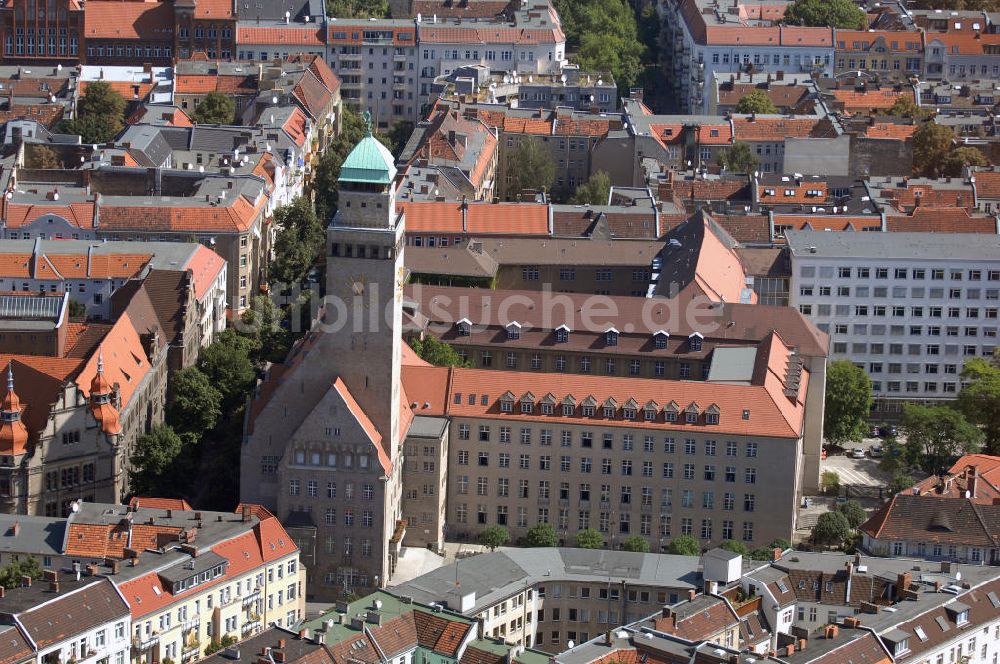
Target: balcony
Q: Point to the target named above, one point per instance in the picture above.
(251, 598)
(146, 643)
(249, 628)
(349, 57)
(400, 58)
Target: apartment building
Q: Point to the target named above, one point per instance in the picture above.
(708, 38)
(961, 56)
(91, 273)
(548, 598)
(888, 55)
(817, 608)
(907, 307)
(82, 392)
(66, 617)
(33, 37)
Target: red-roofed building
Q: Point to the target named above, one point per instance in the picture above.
(204, 29)
(960, 56)
(124, 33)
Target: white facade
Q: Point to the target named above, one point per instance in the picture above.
(107, 642)
(910, 322)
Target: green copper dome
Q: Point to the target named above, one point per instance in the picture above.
(370, 162)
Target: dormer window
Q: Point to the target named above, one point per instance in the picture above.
(670, 416)
(691, 418)
(507, 403)
(649, 410)
(513, 331)
(562, 334)
(628, 413)
(567, 410)
(712, 414)
(527, 402)
(695, 341)
(609, 412)
(546, 409)
(611, 337)
(588, 411)
(464, 327)
(660, 339)
(959, 613)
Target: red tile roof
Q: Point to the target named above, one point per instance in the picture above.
(214, 9)
(899, 132)
(489, 34)
(962, 43)
(130, 91)
(144, 21)
(930, 196)
(196, 84)
(80, 215)
(979, 474)
(822, 222)
(366, 424)
(855, 101)
(940, 220)
(160, 503)
(721, 134)
(305, 36)
(867, 39)
(239, 216)
(988, 184)
(762, 128)
(205, 266)
(481, 219)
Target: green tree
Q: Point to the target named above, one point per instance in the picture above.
(195, 405)
(93, 129)
(399, 134)
(830, 482)
(735, 547)
(357, 8)
(437, 352)
(939, 434)
(263, 322)
(77, 311)
(842, 14)
(595, 191)
(215, 108)
(980, 400)
(956, 161)
(605, 37)
(832, 528)
(855, 513)
(931, 144)
(299, 242)
(42, 156)
(636, 543)
(12, 574)
(101, 99)
(738, 158)
(901, 481)
(227, 364)
(685, 545)
(535, 169)
(152, 457)
(589, 538)
(905, 107)
(541, 535)
(756, 101)
(493, 536)
(848, 402)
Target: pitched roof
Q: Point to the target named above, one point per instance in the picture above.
(80, 214)
(988, 184)
(143, 21)
(941, 220)
(963, 43)
(205, 266)
(199, 84)
(769, 128)
(481, 219)
(916, 518)
(366, 424)
(238, 216)
(75, 612)
(899, 132)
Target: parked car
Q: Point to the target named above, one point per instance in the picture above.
(858, 453)
(876, 451)
(874, 432)
(889, 432)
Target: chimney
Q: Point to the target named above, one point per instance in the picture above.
(281, 643)
(790, 650)
(26, 581)
(692, 594)
(938, 586)
(16, 528)
(49, 575)
(831, 632)
(54, 586)
(247, 512)
(852, 621)
(776, 554)
(279, 656)
(970, 484)
(903, 582)
(115, 566)
(2, 591)
(802, 644)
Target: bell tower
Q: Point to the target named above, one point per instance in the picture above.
(364, 285)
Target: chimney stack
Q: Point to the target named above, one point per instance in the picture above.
(26, 581)
(970, 482)
(247, 513)
(692, 594)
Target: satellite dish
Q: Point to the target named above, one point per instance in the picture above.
(958, 576)
(274, 100)
(600, 81)
(75, 506)
(570, 644)
(531, 79)
(378, 604)
(58, 67)
(563, 79)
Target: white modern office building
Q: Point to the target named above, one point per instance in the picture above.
(910, 308)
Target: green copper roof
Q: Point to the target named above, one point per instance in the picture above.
(370, 162)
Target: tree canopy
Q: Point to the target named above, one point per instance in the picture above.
(300, 241)
(735, 547)
(100, 114)
(605, 38)
(541, 535)
(931, 144)
(13, 572)
(960, 157)
(595, 191)
(938, 434)
(739, 158)
(590, 538)
(685, 545)
(437, 352)
(855, 513)
(215, 108)
(636, 543)
(535, 168)
(905, 107)
(195, 404)
(152, 456)
(756, 101)
(848, 402)
(227, 364)
(493, 537)
(357, 8)
(980, 400)
(832, 528)
(842, 14)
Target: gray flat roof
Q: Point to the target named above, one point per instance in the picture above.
(427, 427)
(925, 246)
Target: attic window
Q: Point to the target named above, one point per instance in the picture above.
(921, 634)
(714, 133)
(660, 340)
(691, 418)
(611, 337)
(513, 331)
(712, 418)
(695, 341)
(464, 327)
(562, 334)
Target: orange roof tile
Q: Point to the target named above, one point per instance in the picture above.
(899, 132)
(748, 128)
(125, 361)
(929, 196)
(871, 100)
(822, 222)
(193, 84)
(128, 90)
(214, 9)
(205, 266)
(866, 39)
(488, 34)
(80, 215)
(160, 503)
(941, 220)
(988, 184)
(721, 134)
(366, 424)
(305, 36)
(295, 126)
(237, 217)
(963, 43)
(481, 218)
(150, 21)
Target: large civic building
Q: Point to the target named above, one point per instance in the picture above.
(359, 446)
(909, 308)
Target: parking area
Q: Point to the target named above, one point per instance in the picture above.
(858, 472)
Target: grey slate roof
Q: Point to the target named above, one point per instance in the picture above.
(890, 246)
(34, 534)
